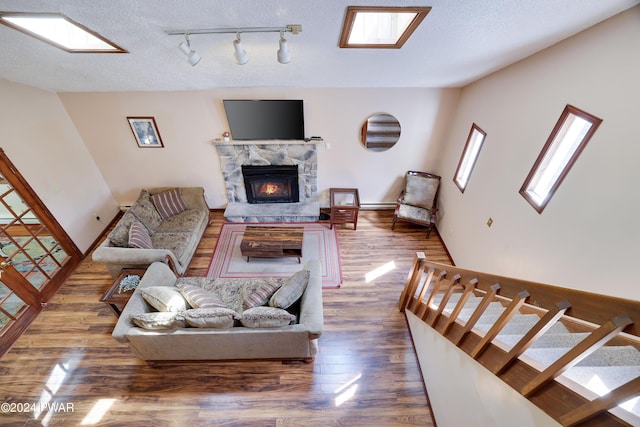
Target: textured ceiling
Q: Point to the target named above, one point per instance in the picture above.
(459, 42)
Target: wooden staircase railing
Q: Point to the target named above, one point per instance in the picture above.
(609, 321)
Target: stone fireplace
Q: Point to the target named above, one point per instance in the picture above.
(297, 156)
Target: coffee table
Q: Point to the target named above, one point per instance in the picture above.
(272, 242)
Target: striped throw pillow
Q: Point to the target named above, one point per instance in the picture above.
(260, 295)
(139, 236)
(169, 203)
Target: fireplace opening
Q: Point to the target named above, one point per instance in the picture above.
(271, 184)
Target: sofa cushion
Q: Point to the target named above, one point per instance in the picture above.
(146, 213)
(164, 298)
(198, 297)
(266, 317)
(220, 318)
(159, 320)
(291, 290)
(175, 242)
(169, 203)
(139, 236)
(119, 236)
(183, 222)
(260, 295)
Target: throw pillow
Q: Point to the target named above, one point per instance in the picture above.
(260, 295)
(145, 212)
(291, 290)
(120, 235)
(266, 317)
(156, 320)
(139, 236)
(198, 297)
(169, 203)
(164, 298)
(420, 191)
(220, 318)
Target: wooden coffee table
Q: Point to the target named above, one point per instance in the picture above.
(272, 242)
(117, 300)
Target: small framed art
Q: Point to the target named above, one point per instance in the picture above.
(145, 132)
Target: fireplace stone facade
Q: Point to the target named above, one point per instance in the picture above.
(233, 155)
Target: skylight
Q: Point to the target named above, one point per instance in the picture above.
(380, 27)
(59, 31)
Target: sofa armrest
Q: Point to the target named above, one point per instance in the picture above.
(158, 274)
(311, 308)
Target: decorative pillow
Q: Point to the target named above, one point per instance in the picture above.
(139, 236)
(198, 297)
(260, 295)
(291, 290)
(169, 203)
(164, 298)
(120, 235)
(266, 317)
(420, 191)
(220, 318)
(145, 212)
(158, 320)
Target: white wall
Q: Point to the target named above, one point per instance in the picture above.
(189, 121)
(588, 237)
(455, 381)
(42, 142)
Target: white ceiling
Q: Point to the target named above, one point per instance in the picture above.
(458, 42)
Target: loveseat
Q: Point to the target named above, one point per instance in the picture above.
(164, 224)
(180, 342)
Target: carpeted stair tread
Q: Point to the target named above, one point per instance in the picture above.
(612, 356)
(607, 376)
(546, 340)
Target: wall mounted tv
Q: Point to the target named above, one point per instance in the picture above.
(265, 119)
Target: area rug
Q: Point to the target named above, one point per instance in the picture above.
(319, 242)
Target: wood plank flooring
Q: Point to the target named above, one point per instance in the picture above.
(366, 373)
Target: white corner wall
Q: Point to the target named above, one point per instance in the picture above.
(42, 142)
(464, 393)
(189, 121)
(588, 236)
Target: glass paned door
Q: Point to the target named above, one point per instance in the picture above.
(36, 254)
(27, 245)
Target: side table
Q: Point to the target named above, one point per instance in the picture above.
(345, 205)
(115, 299)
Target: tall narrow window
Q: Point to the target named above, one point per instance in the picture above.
(469, 156)
(567, 140)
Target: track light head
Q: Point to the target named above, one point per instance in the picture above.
(284, 56)
(192, 56)
(240, 54)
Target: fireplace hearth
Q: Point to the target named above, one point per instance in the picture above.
(271, 184)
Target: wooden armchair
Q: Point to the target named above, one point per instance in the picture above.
(418, 202)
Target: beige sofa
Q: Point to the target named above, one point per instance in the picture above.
(293, 341)
(174, 240)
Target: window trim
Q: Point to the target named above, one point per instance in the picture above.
(551, 141)
(464, 157)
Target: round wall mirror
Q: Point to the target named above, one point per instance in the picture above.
(380, 132)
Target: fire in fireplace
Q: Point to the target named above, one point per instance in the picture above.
(271, 184)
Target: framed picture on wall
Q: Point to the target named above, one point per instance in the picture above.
(145, 132)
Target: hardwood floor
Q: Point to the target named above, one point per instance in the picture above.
(366, 373)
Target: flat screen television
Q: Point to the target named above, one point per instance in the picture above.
(265, 119)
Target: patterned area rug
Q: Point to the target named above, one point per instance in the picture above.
(319, 242)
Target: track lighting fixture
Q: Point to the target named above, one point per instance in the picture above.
(241, 57)
(240, 54)
(192, 56)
